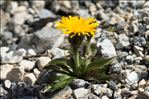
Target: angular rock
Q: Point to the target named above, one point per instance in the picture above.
(77, 83)
(63, 94)
(38, 4)
(47, 38)
(92, 96)
(29, 78)
(31, 52)
(27, 65)
(42, 62)
(19, 18)
(36, 72)
(44, 13)
(123, 41)
(13, 56)
(107, 48)
(59, 53)
(138, 50)
(139, 41)
(132, 78)
(80, 93)
(16, 74)
(104, 97)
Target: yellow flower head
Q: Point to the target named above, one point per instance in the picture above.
(74, 25)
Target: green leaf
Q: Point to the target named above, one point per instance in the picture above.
(60, 61)
(62, 82)
(99, 63)
(59, 65)
(93, 48)
(96, 75)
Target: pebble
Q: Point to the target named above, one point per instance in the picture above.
(42, 62)
(29, 78)
(31, 52)
(77, 83)
(92, 96)
(63, 94)
(107, 45)
(139, 41)
(7, 84)
(80, 93)
(36, 72)
(19, 18)
(59, 53)
(132, 78)
(142, 82)
(38, 4)
(27, 65)
(138, 51)
(18, 72)
(104, 97)
(146, 90)
(44, 13)
(112, 85)
(123, 41)
(47, 38)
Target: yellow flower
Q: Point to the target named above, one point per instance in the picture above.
(75, 25)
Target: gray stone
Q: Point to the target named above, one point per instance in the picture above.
(77, 83)
(8, 35)
(31, 52)
(16, 74)
(42, 62)
(47, 38)
(80, 93)
(19, 18)
(27, 65)
(123, 41)
(83, 12)
(4, 70)
(13, 56)
(107, 48)
(44, 13)
(112, 85)
(92, 96)
(59, 53)
(116, 67)
(146, 90)
(139, 41)
(29, 78)
(4, 51)
(18, 30)
(38, 4)
(99, 90)
(63, 94)
(132, 78)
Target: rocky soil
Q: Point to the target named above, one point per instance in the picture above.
(29, 41)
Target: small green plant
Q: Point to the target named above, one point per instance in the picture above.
(80, 64)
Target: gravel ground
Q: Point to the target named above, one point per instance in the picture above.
(29, 40)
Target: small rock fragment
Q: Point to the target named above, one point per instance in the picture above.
(29, 78)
